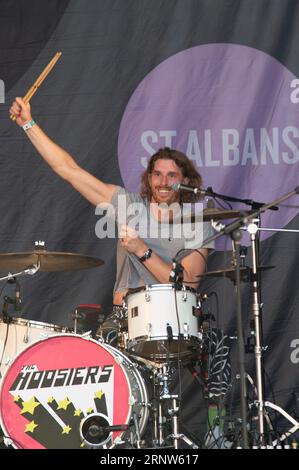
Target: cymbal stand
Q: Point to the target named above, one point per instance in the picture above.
(238, 259)
(252, 229)
(30, 270)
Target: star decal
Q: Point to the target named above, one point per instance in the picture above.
(29, 406)
(78, 412)
(99, 394)
(63, 404)
(90, 410)
(50, 400)
(66, 430)
(30, 427)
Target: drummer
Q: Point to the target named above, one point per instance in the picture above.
(141, 260)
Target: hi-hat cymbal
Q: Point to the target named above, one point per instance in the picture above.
(48, 261)
(219, 214)
(246, 271)
(206, 215)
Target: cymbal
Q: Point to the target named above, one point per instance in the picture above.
(48, 261)
(231, 273)
(207, 215)
(219, 214)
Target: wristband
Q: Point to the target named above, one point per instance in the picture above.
(28, 125)
(147, 254)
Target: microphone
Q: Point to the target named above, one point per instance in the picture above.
(18, 300)
(176, 273)
(191, 189)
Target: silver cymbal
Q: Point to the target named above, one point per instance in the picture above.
(231, 273)
(207, 215)
(219, 214)
(48, 261)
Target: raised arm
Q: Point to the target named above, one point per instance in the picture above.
(93, 189)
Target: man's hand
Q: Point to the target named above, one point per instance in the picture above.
(21, 111)
(131, 241)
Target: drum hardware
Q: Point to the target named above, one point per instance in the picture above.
(86, 317)
(96, 431)
(162, 398)
(250, 223)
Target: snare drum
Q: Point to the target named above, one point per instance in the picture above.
(162, 322)
(53, 386)
(16, 334)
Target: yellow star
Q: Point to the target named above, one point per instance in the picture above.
(62, 405)
(90, 410)
(99, 394)
(16, 398)
(66, 430)
(50, 400)
(30, 427)
(78, 412)
(29, 406)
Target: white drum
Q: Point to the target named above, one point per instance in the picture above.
(18, 333)
(162, 322)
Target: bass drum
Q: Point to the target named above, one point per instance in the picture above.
(17, 333)
(54, 385)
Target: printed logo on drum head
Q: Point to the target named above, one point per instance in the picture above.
(53, 385)
(53, 406)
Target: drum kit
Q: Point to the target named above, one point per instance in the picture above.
(64, 388)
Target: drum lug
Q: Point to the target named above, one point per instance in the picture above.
(119, 360)
(147, 294)
(43, 336)
(8, 360)
(149, 328)
(184, 294)
(118, 441)
(131, 401)
(186, 330)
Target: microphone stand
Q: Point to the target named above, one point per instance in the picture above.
(233, 229)
(31, 270)
(249, 202)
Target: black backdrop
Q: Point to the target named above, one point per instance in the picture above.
(108, 48)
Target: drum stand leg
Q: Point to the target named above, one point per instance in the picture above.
(137, 431)
(173, 412)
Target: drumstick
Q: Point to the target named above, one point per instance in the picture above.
(39, 80)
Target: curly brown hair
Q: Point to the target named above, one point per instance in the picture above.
(185, 165)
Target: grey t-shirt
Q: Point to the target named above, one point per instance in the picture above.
(166, 240)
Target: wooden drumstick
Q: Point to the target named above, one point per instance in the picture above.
(39, 80)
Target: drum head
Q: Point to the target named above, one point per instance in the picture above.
(54, 384)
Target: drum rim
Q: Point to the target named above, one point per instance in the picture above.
(37, 324)
(107, 347)
(157, 287)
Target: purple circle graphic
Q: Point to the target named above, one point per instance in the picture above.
(233, 110)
